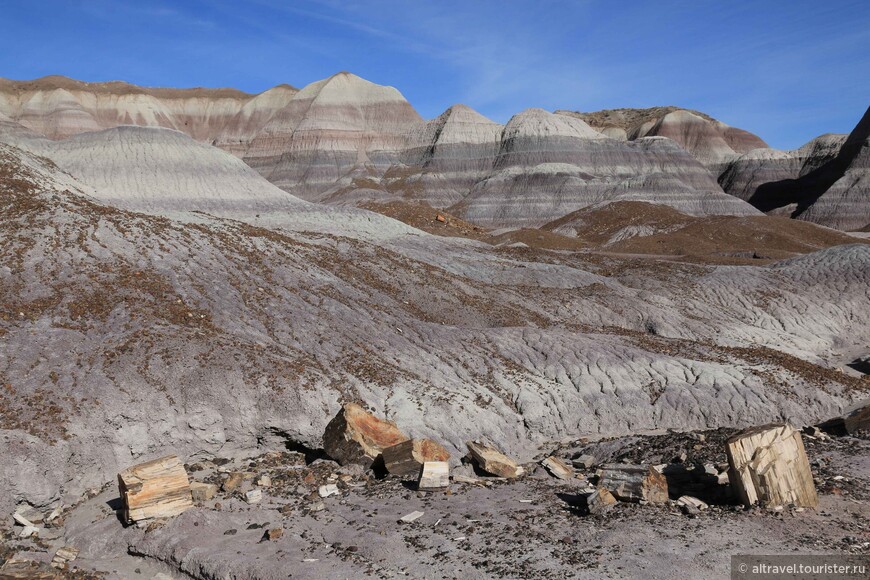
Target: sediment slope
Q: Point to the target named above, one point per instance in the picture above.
(127, 335)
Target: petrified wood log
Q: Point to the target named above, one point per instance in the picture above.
(769, 466)
(558, 468)
(634, 482)
(356, 436)
(156, 489)
(600, 500)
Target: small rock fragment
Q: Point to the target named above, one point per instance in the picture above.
(29, 531)
(55, 513)
(233, 482)
(692, 504)
(64, 555)
(411, 517)
(264, 481)
(272, 535)
(202, 491)
(33, 515)
(21, 520)
(468, 479)
(254, 496)
(328, 490)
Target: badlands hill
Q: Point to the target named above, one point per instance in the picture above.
(165, 171)
(710, 141)
(744, 175)
(344, 140)
(825, 181)
(58, 107)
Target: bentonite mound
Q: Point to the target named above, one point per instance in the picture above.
(126, 336)
(743, 176)
(58, 107)
(710, 141)
(824, 182)
(550, 165)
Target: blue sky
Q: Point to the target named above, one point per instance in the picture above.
(787, 70)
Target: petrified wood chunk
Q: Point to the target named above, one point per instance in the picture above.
(63, 556)
(600, 500)
(769, 466)
(493, 461)
(558, 468)
(855, 418)
(156, 489)
(634, 482)
(435, 475)
(202, 491)
(356, 436)
(408, 457)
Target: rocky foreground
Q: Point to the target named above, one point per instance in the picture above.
(316, 519)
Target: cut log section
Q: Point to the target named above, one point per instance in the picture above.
(634, 482)
(769, 467)
(355, 436)
(407, 458)
(493, 461)
(435, 475)
(156, 489)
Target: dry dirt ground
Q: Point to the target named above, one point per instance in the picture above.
(635, 228)
(533, 527)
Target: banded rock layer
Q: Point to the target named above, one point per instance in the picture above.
(344, 140)
(827, 181)
(710, 141)
(332, 131)
(744, 175)
(550, 165)
(58, 107)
